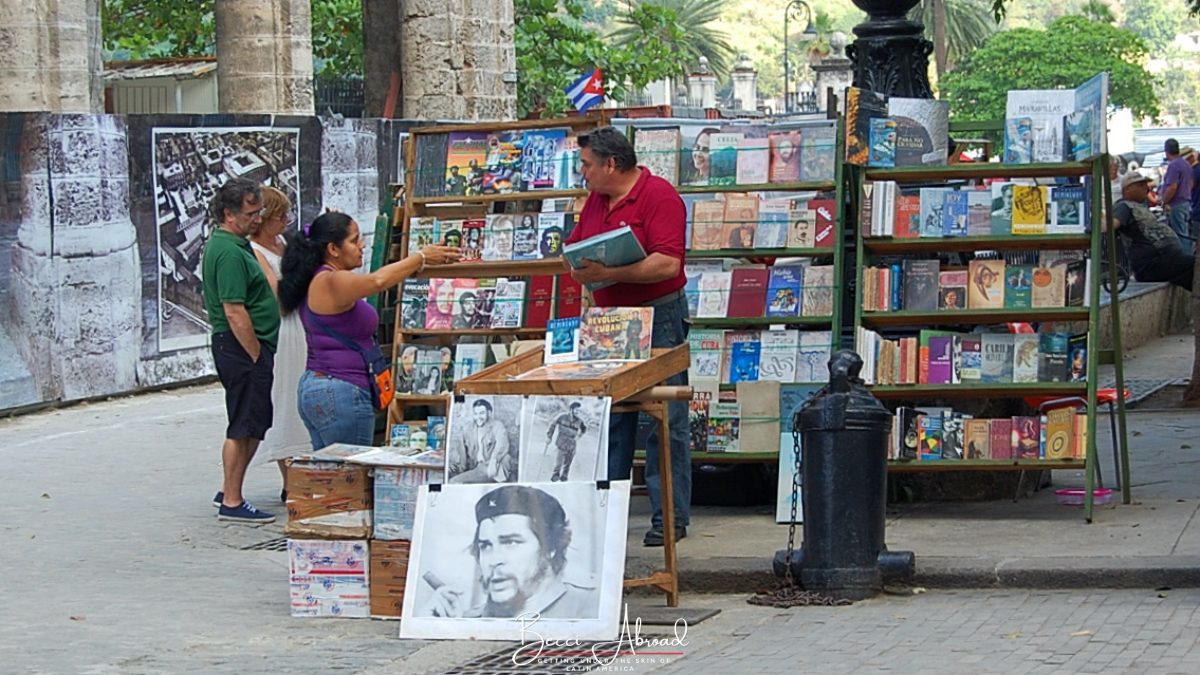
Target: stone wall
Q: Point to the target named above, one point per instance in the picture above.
(50, 56)
(265, 50)
(455, 58)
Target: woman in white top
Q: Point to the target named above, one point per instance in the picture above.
(287, 435)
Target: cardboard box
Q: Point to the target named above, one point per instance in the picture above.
(329, 578)
(328, 499)
(389, 567)
(396, 499)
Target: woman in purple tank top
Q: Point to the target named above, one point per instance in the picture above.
(319, 280)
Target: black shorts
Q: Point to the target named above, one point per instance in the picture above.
(247, 386)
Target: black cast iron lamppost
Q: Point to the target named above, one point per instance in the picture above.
(891, 54)
(793, 8)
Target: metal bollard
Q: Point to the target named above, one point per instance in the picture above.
(844, 430)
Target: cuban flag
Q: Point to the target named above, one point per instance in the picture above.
(587, 91)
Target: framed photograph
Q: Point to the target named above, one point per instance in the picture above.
(484, 439)
(489, 561)
(564, 438)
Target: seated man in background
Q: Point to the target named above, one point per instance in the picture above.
(1153, 248)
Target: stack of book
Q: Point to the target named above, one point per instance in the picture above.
(498, 236)
(943, 357)
(748, 221)
(499, 162)
(751, 291)
(1003, 208)
(935, 433)
(778, 355)
(495, 304)
(742, 154)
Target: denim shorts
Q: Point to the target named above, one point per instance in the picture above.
(335, 411)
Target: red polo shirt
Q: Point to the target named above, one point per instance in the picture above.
(658, 218)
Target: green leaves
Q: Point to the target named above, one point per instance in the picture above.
(1064, 55)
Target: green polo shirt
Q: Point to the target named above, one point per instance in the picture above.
(231, 274)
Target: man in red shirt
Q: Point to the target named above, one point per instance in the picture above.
(625, 194)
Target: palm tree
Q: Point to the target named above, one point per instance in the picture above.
(956, 28)
(700, 39)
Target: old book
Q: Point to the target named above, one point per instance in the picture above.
(415, 299)
(473, 239)
(753, 161)
(466, 157)
(1049, 286)
(540, 301)
(920, 291)
(759, 424)
(1052, 357)
(1025, 357)
(499, 237)
(748, 291)
(979, 212)
(465, 313)
(741, 356)
(952, 289)
(509, 303)
(907, 223)
(784, 289)
(502, 166)
(657, 149)
(802, 231)
(812, 362)
(724, 424)
(941, 359)
(723, 155)
(971, 347)
(933, 204)
(552, 231)
(861, 106)
(1029, 209)
(998, 351)
(952, 435)
(777, 357)
(704, 393)
(706, 347)
(694, 269)
(708, 222)
(826, 219)
(1079, 440)
(772, 230)
(907, 434)
(422, 231)
(818, 148)
(541, 155)
(469, 358)
(929, 429)
(784, 156)
(1018, 286)
(1001, 221)
(1026, 437)
(714, 294)
(1000, 443)
(1077, 356)
(525, 237)
(954, 213)
(883, 142)
(985, 287)
(1068, 209)
(1060, 427)
(922, 130)
(562, 341)
(569, 300)
(620, 333)
(740, 221)
(976, 439)
(817, 298)
(1076, 279)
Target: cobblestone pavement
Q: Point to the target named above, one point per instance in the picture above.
(1009, 631)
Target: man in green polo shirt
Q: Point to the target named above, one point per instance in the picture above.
(245, 323)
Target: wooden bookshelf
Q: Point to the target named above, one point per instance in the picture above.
(524, 330)
(760, 253)
(975, 171)
(913, 466)
(490, 269)
(799, 186)
(953, 317)
(734, 322)
(1014, 242)
(981, 390)
(529, 195)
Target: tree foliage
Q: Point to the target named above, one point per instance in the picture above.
(553, 48)
(158, 29)
(999, 7)
(1096, 10)
(1025, 58)
(1155, 20)
(698, 38)
(968, 24)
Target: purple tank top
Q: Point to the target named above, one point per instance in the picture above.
(329, 356)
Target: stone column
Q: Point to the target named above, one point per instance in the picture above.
(457, 60)
(834, 71)
(264, 56)
(745, 84)
(75, 271)
(381, 54)
(50, 56)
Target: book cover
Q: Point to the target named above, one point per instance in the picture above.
(812, 361)
(867, 211)
(772, 230)
(499, 237)
(883, 142)
(1060, 426)
(954, 213)
(551, 233)
(569, 302)
(908, 215)
(723, 433)
(789, 488)
(731, 341)
(450, 232)
(740, 221)
(422, 232)
(777, 357)
(485, 302)
(723, 158)
(941, 359)
(920, 278)
(933, 204)
(1033, 126)
(1018, 286)
(562, 340)
(784, 289)
(922, 130)
(540, 301)
(502, 168)
(657, 149)
(1000, 442)
(976, 439)
(802, 231)
(952, 435)
(971, 350)
(1075, 278)
(998, 351)
(1049, 286)
(1018, 140)
(908, 434)
(979, 213)
(1029, 209)
(1025, 357)
(817, 152)
(432, 374)
(465, 313)
(699, 408)
(952, 289)
(693, 269)
(415, 300)
(508, 303)
(525, 237)
(708, 222)
(469, 358)
(440, 307)
(929, 428)
(1052, 357)
(540, 158)
(705, 347)
(1093, 96)
(861, 106)
(614, 248)
(569, 177)
(620, 333)
(826, 210)
(466, 155)
(1002, 208)
(398, 436)
(1079, 440)
(1068, 204)
(753, 162)
(985, 288)
(1077, 356)
(473, 239)
(748, 291)
(785, 156)
(817, 294)
(1026, 437)
(714, 295)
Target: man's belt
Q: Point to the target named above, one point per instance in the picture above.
(665, 299)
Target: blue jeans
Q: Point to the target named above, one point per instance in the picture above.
(669, 331)
(1180, 218)
(335, 411)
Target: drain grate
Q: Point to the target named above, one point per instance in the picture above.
(1140, 389)
(276, 544)
(577, 659)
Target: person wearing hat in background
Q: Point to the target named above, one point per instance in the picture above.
(1194, 159)
(1153, 248)
(1176, 191)
(520, 551)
